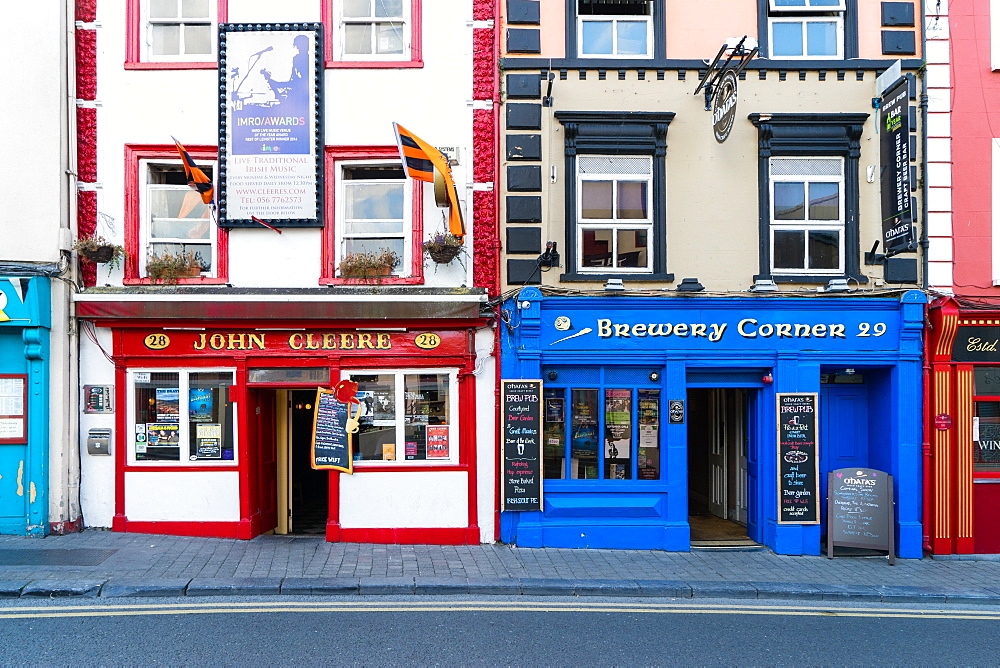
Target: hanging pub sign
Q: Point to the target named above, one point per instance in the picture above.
(898, 234)
(798, 458)
(270, 125)
(859, 511)
(331, 444)
(522, 444)
(724, 106)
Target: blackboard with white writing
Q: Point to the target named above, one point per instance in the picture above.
(522, 428)
(331, 446)
(798, 458)
(859, 510)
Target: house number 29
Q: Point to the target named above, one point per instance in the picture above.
(869, 329)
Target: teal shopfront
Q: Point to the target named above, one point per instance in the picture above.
(24, 404)
(662, 412)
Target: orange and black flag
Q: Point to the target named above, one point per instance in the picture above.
(423, 162)
(196, 178)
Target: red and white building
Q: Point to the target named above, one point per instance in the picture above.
(962, 451)
(212, 379)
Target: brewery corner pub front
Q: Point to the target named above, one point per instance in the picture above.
(213, 402)
(657, 409)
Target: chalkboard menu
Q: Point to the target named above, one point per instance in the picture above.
(859, 511)
(798, 458)
(522, 429)
(331, 446)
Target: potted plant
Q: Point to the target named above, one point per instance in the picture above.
(97, 249)
(368, 264)
(168, 266)
(443, 247)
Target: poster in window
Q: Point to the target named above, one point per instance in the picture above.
(437, 442)
(200, 409)
(160, 435)
(618, 422)
(167, 404)
(270, 134)
(389, 452)
(208, 441)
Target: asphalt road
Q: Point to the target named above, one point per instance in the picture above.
(489, 631)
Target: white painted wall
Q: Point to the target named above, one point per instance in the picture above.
(403, 500)
(97, 489)
(486, 433)
(175, 496)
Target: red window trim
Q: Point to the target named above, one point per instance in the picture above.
(334, 155)
(134, 153)
(416, 42)
(133, 37)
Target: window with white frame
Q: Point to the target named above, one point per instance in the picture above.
(807, 215)
(173, 218)
(374, 29)
(615, 28)
(806, 28)
(407, 416)
(181, 416)
(374, 211)
(615, 218)
(178, 30)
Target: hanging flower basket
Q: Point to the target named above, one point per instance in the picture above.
(444, 254)
(101, 254)
(97, 249)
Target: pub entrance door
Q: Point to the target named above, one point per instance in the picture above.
(717, 464)
(303, 492)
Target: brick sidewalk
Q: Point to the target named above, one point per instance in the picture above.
(101, 563)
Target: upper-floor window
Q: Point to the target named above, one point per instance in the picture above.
(806, 28)
(615, 222)
(373, 33)
(807, 215)
(173, 34)
(615, 28)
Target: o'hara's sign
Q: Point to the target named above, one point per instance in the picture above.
(724, 107)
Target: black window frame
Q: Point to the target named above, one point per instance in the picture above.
(617, 133)
(850, 33)
(806, 136)
(657, 18)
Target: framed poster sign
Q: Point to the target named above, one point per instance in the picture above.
(798, 458)
(13, 408)
(331, 444)
(270, 124)
(522, 444)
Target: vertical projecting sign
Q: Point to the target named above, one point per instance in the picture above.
(522, 444)
(724, 106)
(270, 124)
(798, 459)
(898, 235)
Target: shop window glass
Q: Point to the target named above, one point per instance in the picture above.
(806, 28)
(374, 29)
(375, 212)
(585, 435)
(554, 435)
(986, 437)
(406, 416)
(615, 212)
(179, 30)
(649, 435)
(182, 416)
(615, 28)
(175, 220)
(807, 221)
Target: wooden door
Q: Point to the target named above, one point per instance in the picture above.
(265, 437)
(717, 454)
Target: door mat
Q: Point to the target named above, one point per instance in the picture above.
(54, 557)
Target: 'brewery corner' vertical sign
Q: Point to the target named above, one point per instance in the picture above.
(798, 458)
(270, 124)
(898, 234)
(522, 444)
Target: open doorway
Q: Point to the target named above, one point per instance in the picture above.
(303, 492)
(717, 466)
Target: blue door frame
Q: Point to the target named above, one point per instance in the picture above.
(776, 345)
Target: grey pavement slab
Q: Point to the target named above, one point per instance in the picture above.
(246, 586)
(669, 588)
(723, 589)
(144, 587)
(12, 588)
(608, 588)
(441, 585)
(495, 586)
(787, 590)
(548, 587)
(904, 594)
(832, 592)
(390, 586)
(60, 588)
(319, 586)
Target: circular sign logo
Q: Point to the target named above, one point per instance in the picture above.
(157, 341)
(427, 341)
(724, 107)
(563, 323)
(942, 421)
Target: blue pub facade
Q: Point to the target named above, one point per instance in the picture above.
(661, 409)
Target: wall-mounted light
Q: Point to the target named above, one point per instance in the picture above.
(764, 285)
(654, 376)
(837, 285)
(690, 285)
(552, 375)
(614, 285)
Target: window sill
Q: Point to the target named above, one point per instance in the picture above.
(135, 65)
(411, 467)
(373, 64)
(523, 63)
(646, 278)
(374, 280)
(814, 278)
(229, 466)
(204, 280)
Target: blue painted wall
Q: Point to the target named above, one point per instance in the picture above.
(792, 339)
(25, 322)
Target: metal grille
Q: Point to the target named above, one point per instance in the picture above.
(628, 375)
(726, 376)
(807, 167)
(615, 165)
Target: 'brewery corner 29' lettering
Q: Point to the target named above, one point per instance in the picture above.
(748, 328)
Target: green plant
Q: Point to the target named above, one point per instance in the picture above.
(96, 248)
(444, 247)
(168, 266)
(368, 264)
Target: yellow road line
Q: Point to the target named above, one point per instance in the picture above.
(456, 606)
